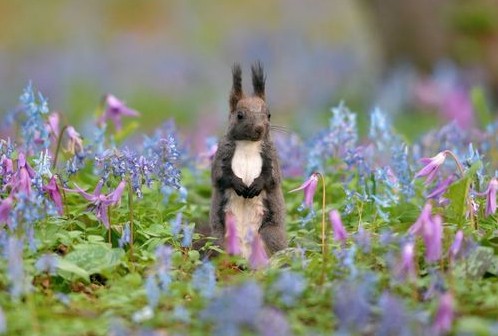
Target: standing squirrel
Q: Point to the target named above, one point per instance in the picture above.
(245, 171)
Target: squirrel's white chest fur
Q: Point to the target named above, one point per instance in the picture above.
(246, 164)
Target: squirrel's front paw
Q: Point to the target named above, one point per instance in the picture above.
(255, 188)
(239, 187)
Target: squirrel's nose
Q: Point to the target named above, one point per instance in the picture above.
(259, 130)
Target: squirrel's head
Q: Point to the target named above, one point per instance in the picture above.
(249, 116)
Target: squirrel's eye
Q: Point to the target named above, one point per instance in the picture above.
(269, 116)
(240, 115)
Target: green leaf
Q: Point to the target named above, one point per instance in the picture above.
(69, 270)
(457, 194)
(95, 258)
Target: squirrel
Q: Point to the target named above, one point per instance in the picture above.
(245, 170)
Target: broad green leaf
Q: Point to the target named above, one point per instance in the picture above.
(457, 195)
(95, 258)
(70, 270)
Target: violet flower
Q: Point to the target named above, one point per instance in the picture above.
(491, 196)
(340, 234)
(53, 191)
(425, 216)
(444, 314)
(457, 245)
(115, 110)
(101, 203)
(21, 181)
(232, 243)
(441, 188)
(6, 208)
(258, 257)
(406, 268)
(431, 166)
(53, 125)
(433, 238)
(309, 187)
(75, 144)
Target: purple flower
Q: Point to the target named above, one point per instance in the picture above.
(406, 268)
(115, 110)
(21, 181)
(75, 144)
(232, 243)
(425, 216)
(457, 244)
(491, 196)
(6, 208)
(340, 234)
(431, 166)
(272, 322)
(3, 322)
(258, 257)
(433, 239)
(47, 263)
(395, 320)
(309, 187)
(101, 202)
(53, 125)
(52, 189)
(441, 188)
(444, 314)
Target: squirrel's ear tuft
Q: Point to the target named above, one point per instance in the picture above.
(236, 94)
(258, 79)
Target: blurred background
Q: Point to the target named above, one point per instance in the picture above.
(419, 60)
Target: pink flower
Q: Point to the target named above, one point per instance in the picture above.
(340, 234)
(6, 208)
(457, 244)
(75, 142)
(53, 125)
(491, 197)
(231, 239)
(309, 187)
(406, 268)
(21, 180)
(52, 189)
(101, 202)
(115, 110)
(431, 166)
(425, 216)
(441, 188)
(444, 314)
(258, 257)
(433, 239)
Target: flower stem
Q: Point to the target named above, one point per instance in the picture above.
(58, 148)
(324, 240)
(130, 209)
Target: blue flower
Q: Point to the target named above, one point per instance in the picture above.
(188, 231)
(47, 263)
(233, 308)
(204, 279)
(152, 290)
(126, 235)
(15, 268)
(289, 286)
(395, 320)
